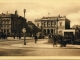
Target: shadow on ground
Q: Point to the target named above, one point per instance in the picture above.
(14, 52)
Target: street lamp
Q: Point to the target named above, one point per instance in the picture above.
(24, 12)
(24, 30)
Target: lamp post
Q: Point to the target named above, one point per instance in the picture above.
(24, 12)
(24, 30)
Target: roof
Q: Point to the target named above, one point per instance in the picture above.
(52, 18)
(46, 18)
(5, 15)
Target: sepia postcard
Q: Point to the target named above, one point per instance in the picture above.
(39, 29)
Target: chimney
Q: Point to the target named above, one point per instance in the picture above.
(2, 13)
(64, 16)
(59, 15)
(16, 13)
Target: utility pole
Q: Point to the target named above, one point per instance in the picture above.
(24, 29)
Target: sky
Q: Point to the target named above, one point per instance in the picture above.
(36, 9)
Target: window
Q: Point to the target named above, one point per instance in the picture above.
(60, 31)
(49, 24)
(42, 23)
(52, 23)
(7, 25)
(4, 30)
(4, 25)
(4, 22)
(7, 30)
(45, 24)
(7, 22)
(60, 23)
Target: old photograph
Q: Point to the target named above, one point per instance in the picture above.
(40, 28)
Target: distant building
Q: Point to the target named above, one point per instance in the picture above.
(63, 24)
(53, 25)
(12, 23)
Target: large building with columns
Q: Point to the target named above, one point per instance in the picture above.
(53, 25)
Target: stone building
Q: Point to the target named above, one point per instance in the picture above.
(63, 24)
(11, 23)
(53, 25)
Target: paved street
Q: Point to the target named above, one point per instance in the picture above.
(15, 47)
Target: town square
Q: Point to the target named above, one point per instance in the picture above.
(40, 28)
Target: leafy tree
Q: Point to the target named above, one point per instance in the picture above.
(32, 28)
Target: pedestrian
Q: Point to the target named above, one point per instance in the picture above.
(32, 35)
(54, 40)
(19, 36)
(64, 42)
(5, 36)
(73, 38)
(50, 35)
(61, 41)
(35, 37)
(14, 36)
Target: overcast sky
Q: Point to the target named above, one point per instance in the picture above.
(39, 8)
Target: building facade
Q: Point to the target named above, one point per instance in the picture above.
(53, 25)
(5, 23)
(11, 23)
(63, 24)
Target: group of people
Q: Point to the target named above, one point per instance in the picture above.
(17, 35)
(3, 35)
(57, 39)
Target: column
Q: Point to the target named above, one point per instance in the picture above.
(46, 24)
(10, 31)
(46, 31)
(53, 31)
(50, 30)
(57, 26)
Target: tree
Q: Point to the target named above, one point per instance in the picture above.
(76, 27)
(32, 28)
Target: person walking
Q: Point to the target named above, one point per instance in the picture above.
(19, 36)
(32, 35)
(61, 41)
(35, 37)
(73, 38)
(14, 36)
(54, 40)
(5, 36)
